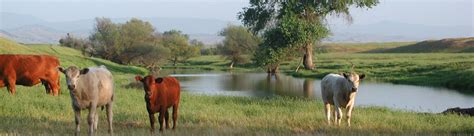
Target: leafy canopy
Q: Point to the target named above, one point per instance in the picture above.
(293, 24)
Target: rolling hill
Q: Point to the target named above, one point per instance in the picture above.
(451, 45)
(66, 56)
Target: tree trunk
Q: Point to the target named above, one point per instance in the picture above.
(272, 68)
(308, 57)
(175, 60)
(299, 64)
(231, 65)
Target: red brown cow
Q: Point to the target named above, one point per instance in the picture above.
(161, 94)
(29, 70)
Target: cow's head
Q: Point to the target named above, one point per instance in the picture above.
(149, 82)
(72, 74)
(353, 80)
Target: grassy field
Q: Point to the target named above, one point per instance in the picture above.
(32, 112)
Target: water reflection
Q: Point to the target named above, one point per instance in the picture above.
(416, 98)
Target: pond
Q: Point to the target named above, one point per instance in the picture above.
(404, 97)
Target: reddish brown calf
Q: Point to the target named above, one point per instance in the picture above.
(161, 94)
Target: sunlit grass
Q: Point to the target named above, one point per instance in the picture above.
(31, 111)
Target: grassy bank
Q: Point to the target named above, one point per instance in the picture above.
(33, 112)
(449, 70)
(212, 62)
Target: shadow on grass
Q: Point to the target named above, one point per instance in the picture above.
(46, 126)
(201, 62)
(118, 68)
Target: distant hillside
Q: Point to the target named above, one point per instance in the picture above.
(357, 47)
(17, 27)
(451, 45)
(30, 29)
(388, 31)
(67, 56)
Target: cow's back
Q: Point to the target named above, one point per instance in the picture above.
(170, 89)
(105, 85)
(95, 86)
(330, 85)
(173, 88)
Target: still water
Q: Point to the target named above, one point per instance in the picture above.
(404, 97)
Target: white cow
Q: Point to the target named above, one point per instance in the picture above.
(340, 91)
(90, 88)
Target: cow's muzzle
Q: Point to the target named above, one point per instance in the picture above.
(71, 87)
(354, 89)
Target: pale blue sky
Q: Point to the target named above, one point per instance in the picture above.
(427, 12)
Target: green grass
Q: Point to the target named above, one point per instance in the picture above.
(212, 62)
(31, 111)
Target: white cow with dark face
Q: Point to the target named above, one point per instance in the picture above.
(90, 88)
(340, 91)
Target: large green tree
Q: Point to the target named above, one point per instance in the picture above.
(105, 38)
(237, 43)
(133, 33)
(178, 44)
(294, 25)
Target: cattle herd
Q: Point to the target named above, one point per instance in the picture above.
(93, 87)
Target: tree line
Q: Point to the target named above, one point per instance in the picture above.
(273, 31)
(135, 42)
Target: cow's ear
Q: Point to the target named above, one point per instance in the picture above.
(138, 78)
(345, 75)
(159, 80)
(61, 69)
(84, 71)
(361, 76)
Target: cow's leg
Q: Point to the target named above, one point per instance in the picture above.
(338, 112)
(96, 121)
(175, 115)
(327, 109)
(58, 85)
(161, 118)
(338, 115)
(167, 125)
(11, 86)
(77, 117)
(110, 115)
(152, 122)
(91, 118)
(53, 86)
(47, 86)
(349, 114)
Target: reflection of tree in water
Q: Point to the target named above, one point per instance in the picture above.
(308, 88)
(280, 85)
(237, 82)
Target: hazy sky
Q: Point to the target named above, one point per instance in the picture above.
(428, 12)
